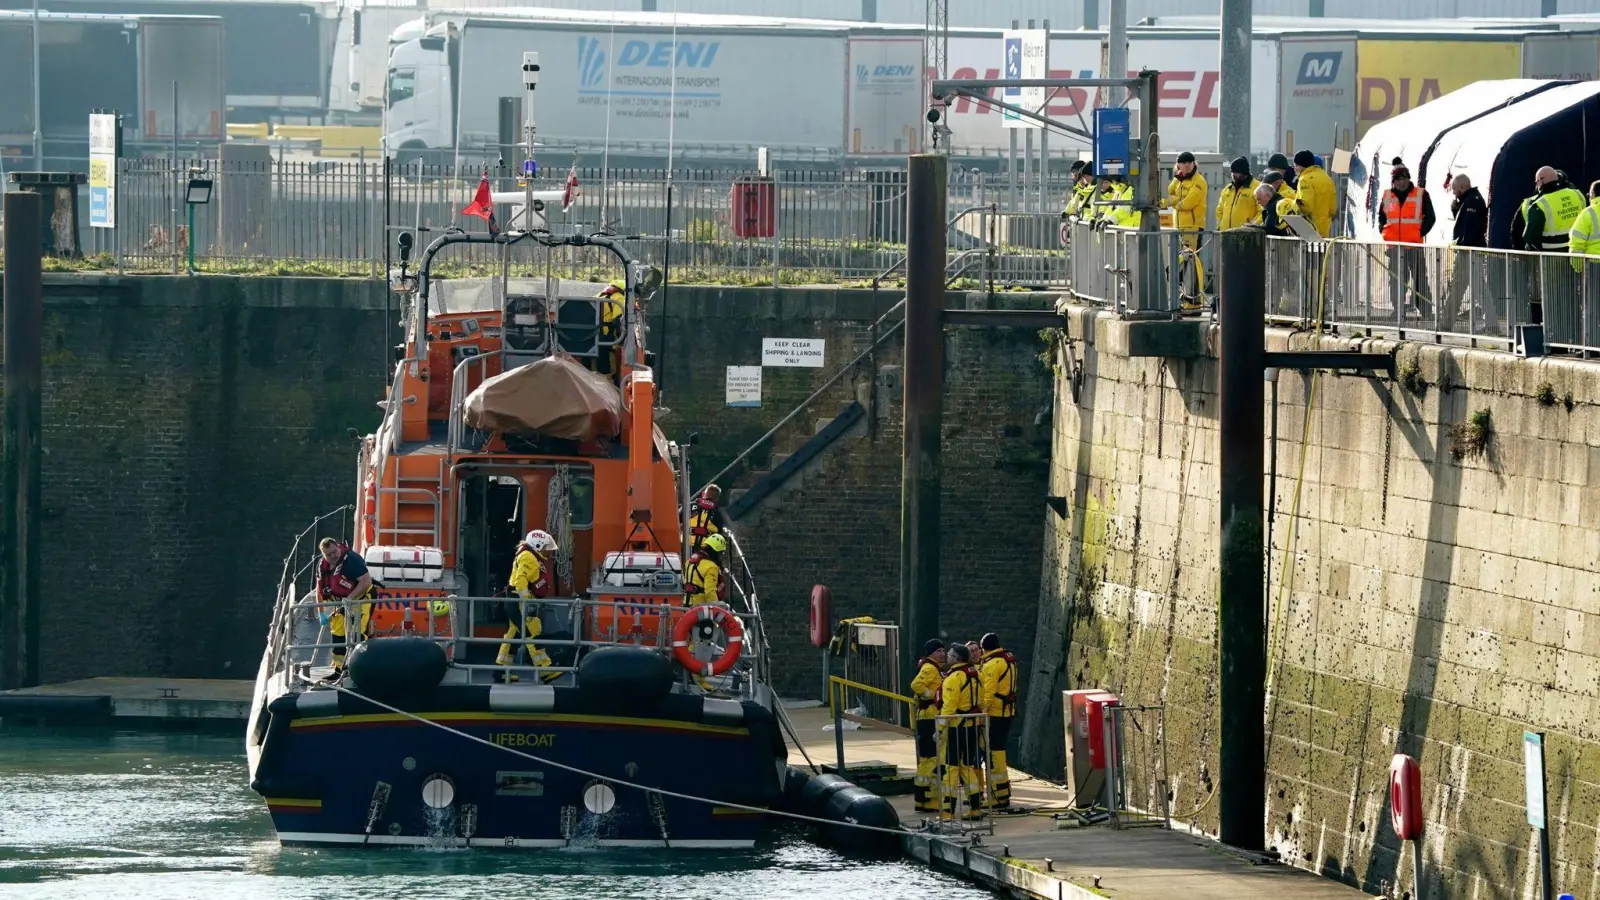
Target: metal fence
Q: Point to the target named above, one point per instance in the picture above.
(1471, 296)
(339, 217)
(1474, 296)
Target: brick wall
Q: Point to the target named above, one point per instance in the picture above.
(841, 526)
(191, 429)
(193, 426)
(1434, 606)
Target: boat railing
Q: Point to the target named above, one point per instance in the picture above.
(744, 585)
(283, 604)
(459, 391)
(575, 623)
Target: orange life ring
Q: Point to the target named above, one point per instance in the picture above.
(369, 513)
(730, 625)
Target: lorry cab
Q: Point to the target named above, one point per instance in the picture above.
(420, 96)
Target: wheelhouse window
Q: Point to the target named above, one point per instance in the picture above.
(582, 496)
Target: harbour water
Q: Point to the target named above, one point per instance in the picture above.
(88, 813)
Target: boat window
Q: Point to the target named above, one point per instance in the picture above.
(582, 497)
(402, 85)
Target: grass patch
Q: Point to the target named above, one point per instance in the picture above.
(1470, 439)
(1546, 395)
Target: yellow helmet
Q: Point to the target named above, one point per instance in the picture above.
(617, 286)
(716, 543)
(439, 607)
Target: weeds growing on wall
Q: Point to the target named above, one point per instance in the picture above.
(1546, 395)
(1470, 439)
(1050, 356)
(1411, 375)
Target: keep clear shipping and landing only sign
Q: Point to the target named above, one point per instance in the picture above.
(792, 353)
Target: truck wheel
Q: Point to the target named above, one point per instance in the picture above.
(411, 155)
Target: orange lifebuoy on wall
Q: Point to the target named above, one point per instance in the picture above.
(369, 513)
(730, 625)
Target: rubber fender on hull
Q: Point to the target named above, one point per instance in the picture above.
(814, 796)
(859, 806)
(630, 677)
(794, 789)
(397, 666)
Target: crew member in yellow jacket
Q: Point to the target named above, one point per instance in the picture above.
(997, 677)
(1186, 197)
(925, 690)
(961, 698)
(532, 578)
(1584, 239)
(1316, 192)
(1237, 205)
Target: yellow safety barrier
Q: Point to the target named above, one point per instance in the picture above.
(837, 687)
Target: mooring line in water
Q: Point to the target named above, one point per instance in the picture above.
(899, 832)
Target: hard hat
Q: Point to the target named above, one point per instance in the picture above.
(540, 541)
(617, 286)
(716, 543)
(439, 607)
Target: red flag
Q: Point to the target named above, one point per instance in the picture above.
(482, 204)
(572, 188)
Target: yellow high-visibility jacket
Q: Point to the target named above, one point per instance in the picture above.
(1081, 196)
(525, 573)
(1318, 198)
(925, 688)
(961, 696)
(1585, 237)
(1125, 216)
(703, 579)
(1237, 206)
(1187, 197)
(997, 676)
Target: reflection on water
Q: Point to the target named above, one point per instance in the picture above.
(100, 814)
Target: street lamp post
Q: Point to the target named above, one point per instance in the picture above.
(38, 138)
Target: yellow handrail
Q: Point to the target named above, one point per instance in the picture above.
(837, 686)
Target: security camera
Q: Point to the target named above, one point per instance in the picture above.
(530, 70)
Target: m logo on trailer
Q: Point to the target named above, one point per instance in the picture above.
(1319, 68)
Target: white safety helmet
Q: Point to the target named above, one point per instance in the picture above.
(540, 541)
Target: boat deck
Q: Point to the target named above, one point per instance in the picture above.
(1031, 854)
(99, 699)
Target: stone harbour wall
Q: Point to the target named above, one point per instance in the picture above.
(1432, 592)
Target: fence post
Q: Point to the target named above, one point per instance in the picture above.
(838, 728)
(365, 210)
(777, 231)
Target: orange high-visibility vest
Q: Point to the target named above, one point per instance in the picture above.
(1403, 221)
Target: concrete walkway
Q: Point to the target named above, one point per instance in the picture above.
(133, 698)
(1031, 854)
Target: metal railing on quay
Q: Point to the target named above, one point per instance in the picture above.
(334, 217)
(1442, 293)
(871, 652)
(840, 690)
(1137, 781)
(1105, 270)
